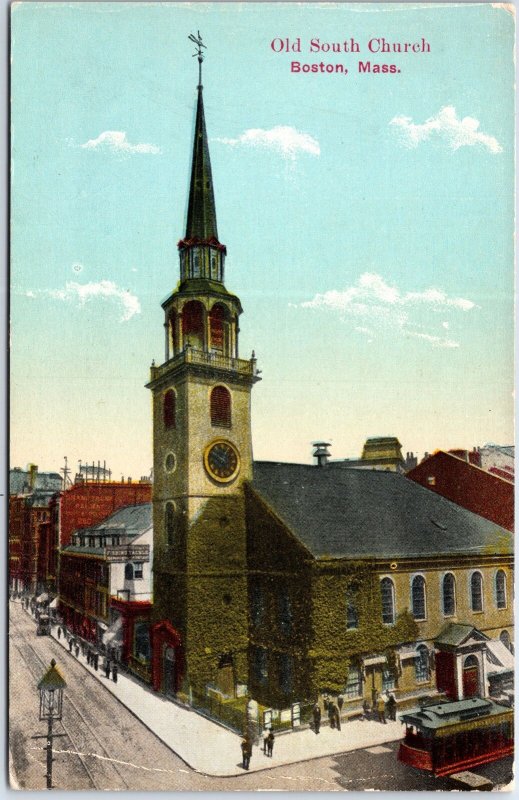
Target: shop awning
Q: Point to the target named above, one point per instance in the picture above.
(114, 634)
(371, 661)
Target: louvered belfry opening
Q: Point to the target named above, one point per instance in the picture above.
(221, 407)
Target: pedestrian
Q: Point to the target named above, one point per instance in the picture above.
(317, 717)
(381, 709)
(70, 644)
(246, 751)
(266, 741)
(337, 717)
(76, 650)
(270, 743)
(391, 707)
(107, 668)
(59, 632)
(114, 673)
(340, 702)
(96, 661)
(331, 713)
(88, 655)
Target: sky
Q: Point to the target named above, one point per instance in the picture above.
(368, 220)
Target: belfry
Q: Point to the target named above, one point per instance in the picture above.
(202, 455)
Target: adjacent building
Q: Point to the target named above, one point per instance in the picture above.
(30, 495)
(468, 485)
(108, 562)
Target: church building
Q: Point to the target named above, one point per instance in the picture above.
(286, 582)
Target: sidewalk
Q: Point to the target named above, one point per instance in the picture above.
(213, 750)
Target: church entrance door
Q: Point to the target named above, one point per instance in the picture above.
(470, 677)
(170, 672)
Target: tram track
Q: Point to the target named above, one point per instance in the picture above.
(100, 778)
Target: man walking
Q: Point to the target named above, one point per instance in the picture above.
(381, 709)
(317, 717)
(114, 673)
(391, 707)
(270, 743)
(107, 668)
(246, 751)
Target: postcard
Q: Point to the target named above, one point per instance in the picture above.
(261, 396)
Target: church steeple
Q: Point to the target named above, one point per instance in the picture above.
(201, 254)
(201, 211)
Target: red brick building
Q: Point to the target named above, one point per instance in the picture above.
(30, 493)
(469, 486)
(87, 503)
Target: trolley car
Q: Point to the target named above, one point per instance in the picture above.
(450, 737)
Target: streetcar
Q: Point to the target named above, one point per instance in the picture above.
(453, 736)
(43, 628)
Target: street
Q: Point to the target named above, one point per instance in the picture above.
(105, 747)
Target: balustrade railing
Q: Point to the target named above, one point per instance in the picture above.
(191, 355)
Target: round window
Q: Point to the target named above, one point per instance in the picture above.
(170, 462)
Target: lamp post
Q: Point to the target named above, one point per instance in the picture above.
(51, 705)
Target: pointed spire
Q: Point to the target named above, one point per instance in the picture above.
(201, 211)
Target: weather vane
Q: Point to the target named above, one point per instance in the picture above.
(197, 40)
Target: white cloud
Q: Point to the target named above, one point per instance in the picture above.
(376, 304)
(86, 292)
(447, 126)
(116, 142)
(282, 139)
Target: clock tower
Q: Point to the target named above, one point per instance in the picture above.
(202, 454)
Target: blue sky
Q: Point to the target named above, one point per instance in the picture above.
(368, 220)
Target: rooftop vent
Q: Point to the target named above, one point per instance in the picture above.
(321, 453)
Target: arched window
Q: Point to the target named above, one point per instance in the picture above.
(285, 611)
(500, 589)
(257, 606)
(193, 324)
(476, 592)
(172, 333)
(170, 524)
(221, 407)
(387, 595)
(422, 669)
(217, 319)
(170, 409)
(352, 614)
(418, 597)
(449, 595)
(128, 572)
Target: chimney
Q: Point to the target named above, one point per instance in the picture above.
(33, 471)
(321, 453)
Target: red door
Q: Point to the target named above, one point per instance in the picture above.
(470, 681)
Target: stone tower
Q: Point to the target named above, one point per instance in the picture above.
(202, 455)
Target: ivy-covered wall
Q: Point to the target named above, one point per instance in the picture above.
(201, 588)
(279, 599)
(317, 639)
(334, 647)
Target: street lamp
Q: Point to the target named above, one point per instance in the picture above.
(51, 706)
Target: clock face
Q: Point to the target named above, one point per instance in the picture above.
(222, 461)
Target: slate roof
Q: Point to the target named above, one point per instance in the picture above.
(339, 513)
(133, 520)
(19, 481)
(455, 633)
(129, 521)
